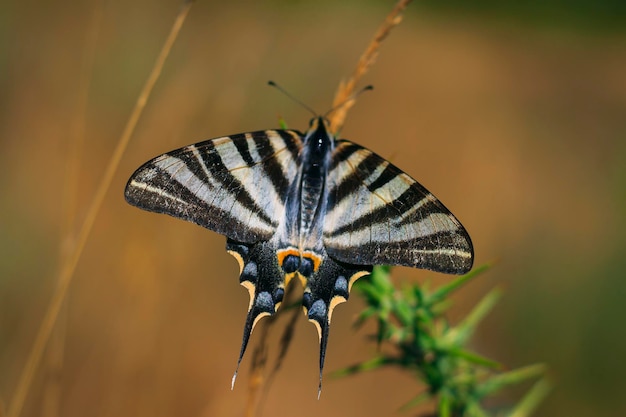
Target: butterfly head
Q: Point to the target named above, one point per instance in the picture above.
(319, 126)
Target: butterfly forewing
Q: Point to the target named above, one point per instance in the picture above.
(377, 215)
(233, 185)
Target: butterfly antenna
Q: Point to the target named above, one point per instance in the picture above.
(285, 92)
(353, 96)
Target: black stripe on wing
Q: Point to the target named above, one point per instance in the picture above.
(278, 173)
(377, 214)
(222, 176)
(353, 182)
(232, 185)
(342, 152)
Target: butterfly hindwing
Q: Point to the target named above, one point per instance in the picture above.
(233, 185)
(379, 215)
(325, 286)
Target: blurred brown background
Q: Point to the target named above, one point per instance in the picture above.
(516, 119)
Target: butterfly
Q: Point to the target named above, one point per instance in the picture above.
(303, 206)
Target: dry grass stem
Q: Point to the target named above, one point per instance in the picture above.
(344, 97)
(67, 271)
(285, 342)
(77, 135)
(53, 367)
(52, 389)
(256, 379)
(259, 385)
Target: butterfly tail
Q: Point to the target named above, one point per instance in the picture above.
(257, 260)
(327, 287)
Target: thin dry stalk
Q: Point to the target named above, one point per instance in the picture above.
(285, 342)
(344, 100)
(52, 390)
(67, 272)
(259, 385)
(344, 97)
(257, 368)
(77, 136)
(53, 367)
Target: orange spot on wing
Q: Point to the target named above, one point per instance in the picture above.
(282, 254)
(317, 260)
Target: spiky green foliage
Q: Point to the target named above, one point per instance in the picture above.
(412, 320)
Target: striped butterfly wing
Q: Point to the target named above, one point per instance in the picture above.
(378, 215)
(234, 185)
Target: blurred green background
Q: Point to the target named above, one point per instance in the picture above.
(512, 113)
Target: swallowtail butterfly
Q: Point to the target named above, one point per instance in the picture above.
(305, 206)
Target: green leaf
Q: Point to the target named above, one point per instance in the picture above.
(282, 123)
(445, 290)
(381, 278)
(530, 402)
(473, 358)
(474, 409)
(445, 404)
(505, 379)
(417, 400)
(464, 330)
(374, 363)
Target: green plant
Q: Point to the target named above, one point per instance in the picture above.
(412, 320)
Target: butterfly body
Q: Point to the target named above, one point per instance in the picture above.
(306, 201)
(305, 206)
